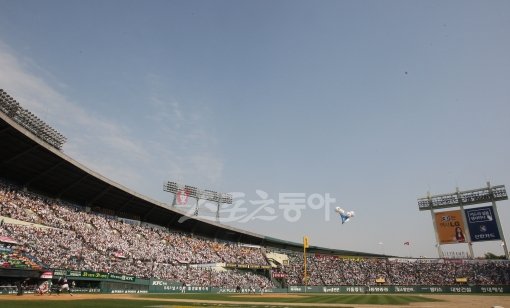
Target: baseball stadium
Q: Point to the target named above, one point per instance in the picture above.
(72, 237)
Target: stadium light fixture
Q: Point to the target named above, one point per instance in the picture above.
(194, 192)
(10, 107)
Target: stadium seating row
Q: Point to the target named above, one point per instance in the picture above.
(75, 238)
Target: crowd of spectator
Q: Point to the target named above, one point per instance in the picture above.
(73, 238)
(12, 259)
(64, 236)
(337, 270)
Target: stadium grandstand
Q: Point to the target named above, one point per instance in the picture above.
(59, 218)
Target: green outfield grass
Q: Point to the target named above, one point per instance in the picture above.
(304, 298)
(152, 300)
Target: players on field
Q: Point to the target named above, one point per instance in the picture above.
(44, 287)
(63, 285)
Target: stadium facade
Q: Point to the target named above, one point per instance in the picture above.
(31, 158)
(32, 163)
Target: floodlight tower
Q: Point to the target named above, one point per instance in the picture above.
(182, 192)
(10, 107)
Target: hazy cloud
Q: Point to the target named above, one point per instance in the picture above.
(108, 147)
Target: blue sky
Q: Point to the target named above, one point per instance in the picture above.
(372, 102)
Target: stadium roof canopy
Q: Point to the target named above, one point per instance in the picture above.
(33, 164)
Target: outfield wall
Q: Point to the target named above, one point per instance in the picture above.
(399, 289)
(99, 282)
(329, 290)
(107, 288)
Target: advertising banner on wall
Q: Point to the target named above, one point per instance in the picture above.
(482, 224)
(450, 227)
